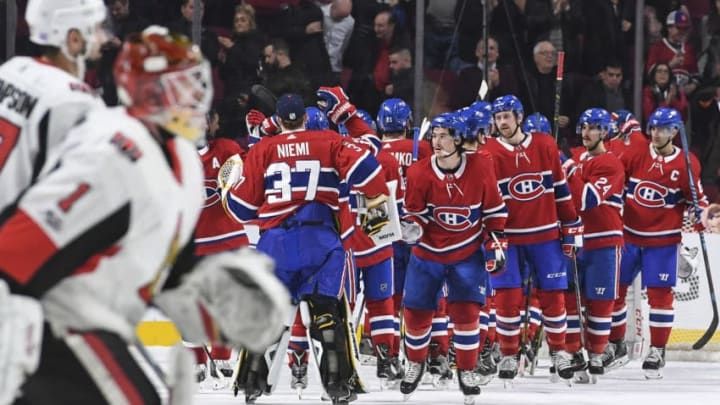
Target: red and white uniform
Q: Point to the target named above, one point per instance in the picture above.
(597, 187)
(619, 146)
(453, 209)
(658, 191)
(39, 103)
(401, 149)
(534, 188)
(216, 231)
(96, 238)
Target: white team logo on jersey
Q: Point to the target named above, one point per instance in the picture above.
(455, 219)
(526, 186)
(212, 196)
(650, 194)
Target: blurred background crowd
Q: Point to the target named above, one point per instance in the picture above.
(369, 47)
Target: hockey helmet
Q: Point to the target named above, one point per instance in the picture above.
(536, 122)
(394, 116)
(316, 119)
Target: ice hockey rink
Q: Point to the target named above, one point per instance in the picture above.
(684, 383)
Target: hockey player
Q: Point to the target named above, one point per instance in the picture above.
(290, 182)
(533, 184)
(216, 231)
(627, 134)
(536, 122)
(478, 123)
(108, 231)
(450, 210)
(394, 121)
(658, 191)
(42, 98)
(597, 184)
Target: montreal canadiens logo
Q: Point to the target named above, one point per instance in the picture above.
(211, 192)
(649, 194)
(454, 219)
(526, 187)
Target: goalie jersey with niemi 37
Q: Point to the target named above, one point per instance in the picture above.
(95, 238)
(39, 103)
(286, 171)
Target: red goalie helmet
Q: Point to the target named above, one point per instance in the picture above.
(163, 78)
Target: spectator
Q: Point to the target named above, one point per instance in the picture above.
(401, 75)
(209, 44)
(508, 26)
(337, 28)
(540, 89)
(439, 43)
(662, 91)
(608, 35)
(281, 75)
(560, 22)
(241, 53)
(675, 50)
(122, 22)
(501, 79)
(606, 92)
(372, 72)
(301, 28)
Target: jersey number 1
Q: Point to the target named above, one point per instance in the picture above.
(8, 138)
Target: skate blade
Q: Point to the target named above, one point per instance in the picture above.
(440, 383)
(554, 378)
(581, 377)
(299, 391)
(485, 379)
(593, 379)
(469, 399)
(617, 363)
(653, 374)
(507, 383)
(406, 397)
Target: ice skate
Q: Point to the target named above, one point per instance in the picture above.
(563, 365)
(340, 392)
(387, 370)
(507, 369)
(486, 367)
(654, 363)
(413, 375)
(615, 355)
(595, 367)
(469, 385)
(298, 371)
(440, 370)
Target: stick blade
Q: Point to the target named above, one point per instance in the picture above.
(705, 338)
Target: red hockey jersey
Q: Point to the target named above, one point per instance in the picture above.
(619, 146)
(597, 187)
(533, 185)
(284, 172)
(215, 230)
(658, 189)
(452, 208)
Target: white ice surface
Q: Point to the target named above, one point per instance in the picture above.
(684, 383)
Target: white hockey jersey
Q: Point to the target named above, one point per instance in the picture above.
(95, 237)
(39, 103)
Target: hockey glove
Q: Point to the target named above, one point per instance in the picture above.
(568, 164)
(495, 246)
(335, 104)
(375, 216)
(411, 231)
(270, 126)
(572, 237)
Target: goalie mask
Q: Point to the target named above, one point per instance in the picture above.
(162, 78)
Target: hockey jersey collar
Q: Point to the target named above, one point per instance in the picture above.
(525, 143)
(441, 175)
(669, 158)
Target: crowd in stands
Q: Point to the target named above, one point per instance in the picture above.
(368, 46)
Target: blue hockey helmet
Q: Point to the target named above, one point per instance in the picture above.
(394, 116)
(664, 117)
(367, 118)
(449, 120)
(481, 106)
(595, 116)
(507, 103)
(316, 119)
(476, 121)
(536, 122)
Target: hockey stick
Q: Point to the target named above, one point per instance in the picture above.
(636, 345)
(558, 92)
(578, 302)
(698, 213)
(526, 328)
(214, 369)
